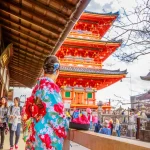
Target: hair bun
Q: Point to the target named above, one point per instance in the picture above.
(49, 64)
(49, 68)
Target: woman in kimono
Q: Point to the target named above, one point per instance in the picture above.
(44, 123)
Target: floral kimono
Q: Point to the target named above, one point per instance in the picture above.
(44, 123)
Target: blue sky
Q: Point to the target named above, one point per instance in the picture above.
(132, 85)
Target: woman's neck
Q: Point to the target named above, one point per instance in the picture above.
(50, 76)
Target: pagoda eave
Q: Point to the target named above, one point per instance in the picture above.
(88, 82)
(96, 23)
(145, 78)
(92, 75)
(88, 42)
(82, 106)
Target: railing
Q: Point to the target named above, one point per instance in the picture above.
(95, 141)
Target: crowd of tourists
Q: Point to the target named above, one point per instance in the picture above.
(107, 127)
(10, 121)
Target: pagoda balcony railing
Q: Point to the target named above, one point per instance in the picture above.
(95, 141)
(77, 62)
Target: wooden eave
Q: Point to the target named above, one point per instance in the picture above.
(37, 28)
(87, 42)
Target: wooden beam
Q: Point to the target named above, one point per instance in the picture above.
(27, 60)
(26, 68)
(15, 42)
(53, 21)
(57, 23)
(20, 63)
(16, 63)
(21, 80)
(20, 52)
(31, 30)
(15, 83)
(21, 70)
(28, 35)
(52, 9)
(39, 25)
(18, 38)
(38, 55)
(22, 74)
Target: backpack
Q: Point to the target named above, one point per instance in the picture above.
(11, 107)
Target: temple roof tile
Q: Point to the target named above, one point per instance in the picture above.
(91, 70)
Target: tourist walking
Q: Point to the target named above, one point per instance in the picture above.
(117, 128)
(45, 124)
(14, 114)
(97, 127)
(68, 115)
(90, 118)
(3, 119)
(111, 126)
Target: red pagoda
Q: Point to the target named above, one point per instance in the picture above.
(82, 55)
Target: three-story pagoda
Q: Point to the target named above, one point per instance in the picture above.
(82, 55)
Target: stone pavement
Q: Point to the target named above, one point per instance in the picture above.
(21, 144)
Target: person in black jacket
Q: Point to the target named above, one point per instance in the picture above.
(97, 127)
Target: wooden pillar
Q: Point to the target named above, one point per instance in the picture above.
(62, 93)
(2, 90)
(84, 97)
(66, 145)
(138, 128)
(94, 100)
(73, 96)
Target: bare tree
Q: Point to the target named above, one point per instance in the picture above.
(133, 28)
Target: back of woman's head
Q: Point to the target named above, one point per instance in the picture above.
(51, 64)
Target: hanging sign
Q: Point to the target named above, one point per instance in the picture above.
(6, 55)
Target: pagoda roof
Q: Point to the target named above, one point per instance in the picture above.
(147, 78)
(96, 16)
(96, 49)
(92, 71)
(143, 96)
(109, 14)
(72, 40)
(98, 24)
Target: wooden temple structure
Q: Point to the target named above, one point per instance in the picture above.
(34, 29)
(82, 55)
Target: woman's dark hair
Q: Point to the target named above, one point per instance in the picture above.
(18, 100)
(6, 105)
(49, 64)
